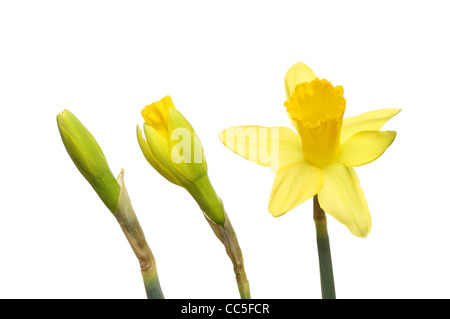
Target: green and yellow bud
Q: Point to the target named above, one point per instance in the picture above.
(88, 158)
(174, 150)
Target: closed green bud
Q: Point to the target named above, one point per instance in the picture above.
(88, 158)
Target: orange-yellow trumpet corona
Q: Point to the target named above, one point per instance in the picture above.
(319, 160)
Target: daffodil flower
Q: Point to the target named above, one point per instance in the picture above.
(319, 160)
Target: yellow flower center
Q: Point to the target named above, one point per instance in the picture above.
(156, 115)
(318, 109)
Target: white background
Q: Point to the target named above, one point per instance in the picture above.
(223, 63)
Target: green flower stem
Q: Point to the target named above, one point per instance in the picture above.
(227, 236)
(206, 197)
(323, 248)
(151, 283)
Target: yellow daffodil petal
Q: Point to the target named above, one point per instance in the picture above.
(365, 147)
(145, 148)
(267, 146)
(152, 159)
(297, 74)
(343, 198)
(369, 121)
(185, 148)
(159, 148)
(294, 183)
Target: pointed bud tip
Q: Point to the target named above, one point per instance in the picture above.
(60, 115)
(120, 176)
(138, 130)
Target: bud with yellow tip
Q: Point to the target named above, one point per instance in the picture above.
(173, 148)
